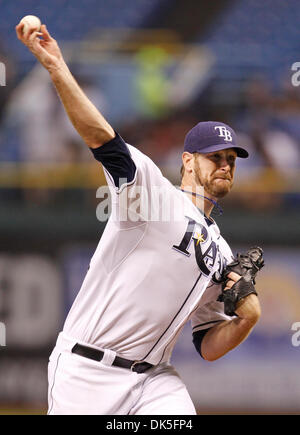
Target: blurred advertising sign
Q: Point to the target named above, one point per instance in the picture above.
(32, 313)
(30, 300)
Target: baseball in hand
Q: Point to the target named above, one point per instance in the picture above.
(31, 22)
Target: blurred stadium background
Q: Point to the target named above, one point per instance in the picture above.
(154, 68)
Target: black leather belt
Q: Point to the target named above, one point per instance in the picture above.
(97, 355)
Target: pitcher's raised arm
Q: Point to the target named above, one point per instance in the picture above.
(85, 117)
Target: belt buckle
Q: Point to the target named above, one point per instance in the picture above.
(134, 364)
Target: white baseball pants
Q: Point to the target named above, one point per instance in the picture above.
(81, 386)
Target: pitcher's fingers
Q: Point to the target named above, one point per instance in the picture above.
(229, 284)
(19, 30)
(234, 276)
(30, 32)
(34, 44)
(46, 34)
(33, 35)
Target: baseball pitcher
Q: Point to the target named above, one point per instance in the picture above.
(151, 272)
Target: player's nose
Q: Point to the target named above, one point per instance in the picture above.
(224, 164)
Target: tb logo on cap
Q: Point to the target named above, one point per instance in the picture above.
(223, 132)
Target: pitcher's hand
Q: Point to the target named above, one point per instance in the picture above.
(42, 45)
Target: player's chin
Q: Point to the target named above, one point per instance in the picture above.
(221, 188)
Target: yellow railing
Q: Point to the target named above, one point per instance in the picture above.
(270, 181)
(51, 176)
(91, 176)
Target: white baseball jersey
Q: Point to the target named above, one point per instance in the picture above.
(152, 270)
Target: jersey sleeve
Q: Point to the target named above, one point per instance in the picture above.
(208, 315)
(119, 166)
(132, 178)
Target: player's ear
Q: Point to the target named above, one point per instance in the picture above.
(188, 162)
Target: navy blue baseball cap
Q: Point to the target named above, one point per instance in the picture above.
(210, 136)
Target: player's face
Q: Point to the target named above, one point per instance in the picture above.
(215, 171)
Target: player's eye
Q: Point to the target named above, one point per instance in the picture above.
(231, 159)
(215, 156)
